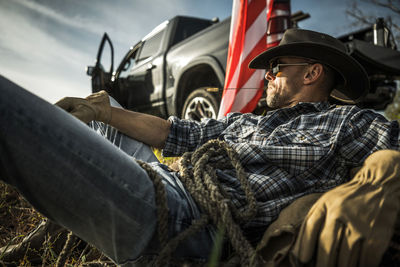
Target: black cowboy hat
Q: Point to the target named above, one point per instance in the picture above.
(353, 83)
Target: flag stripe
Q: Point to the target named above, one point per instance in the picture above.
(235, 53)
(251, 49)
(244, 39)
(254, 9)
(248, 38)
(246, 72)
(236, 44)
(254, 33)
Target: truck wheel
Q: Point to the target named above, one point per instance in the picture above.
(199, 105)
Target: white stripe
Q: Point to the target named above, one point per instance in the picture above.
(268, 3)
(234, 18)
(228, 94)
(279, 12)
(233, 82)
(255, 33)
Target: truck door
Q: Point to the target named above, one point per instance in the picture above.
(140, 80)
(101, 77)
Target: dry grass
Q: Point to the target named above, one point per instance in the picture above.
(18, 218)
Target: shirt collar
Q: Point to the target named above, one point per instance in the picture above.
(318, 105)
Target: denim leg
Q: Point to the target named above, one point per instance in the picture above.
(134, 148)
(71, 175)
(182, 208)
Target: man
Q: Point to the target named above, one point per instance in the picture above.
(304, 146)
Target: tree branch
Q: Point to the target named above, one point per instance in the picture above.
(387, 4)
(357, 14)
(362, 19)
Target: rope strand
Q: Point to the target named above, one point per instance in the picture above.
(198, 174)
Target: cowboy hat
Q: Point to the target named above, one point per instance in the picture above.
(353, 83)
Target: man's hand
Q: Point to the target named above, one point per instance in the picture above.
(94, 107)
(145, 128)
(352, 224)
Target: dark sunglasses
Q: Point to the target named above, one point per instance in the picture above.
(275, 67)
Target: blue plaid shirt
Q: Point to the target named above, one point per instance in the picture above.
(289, 152)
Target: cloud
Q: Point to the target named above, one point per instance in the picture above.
(77, 22)
(23, 39)
(45, 44)
(38, 60)
(121, 18)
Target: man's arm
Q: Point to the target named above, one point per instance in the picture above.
(146, 128)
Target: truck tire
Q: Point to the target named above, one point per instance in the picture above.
(199, 105)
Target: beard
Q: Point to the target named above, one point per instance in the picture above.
(274, 100)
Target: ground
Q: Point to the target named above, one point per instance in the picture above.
(18, 219)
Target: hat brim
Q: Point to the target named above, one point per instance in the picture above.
(355, 79)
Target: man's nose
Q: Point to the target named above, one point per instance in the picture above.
(269, 76)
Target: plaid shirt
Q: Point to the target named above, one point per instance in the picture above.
(288, 152)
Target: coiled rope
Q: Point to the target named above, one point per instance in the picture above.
(198, 173)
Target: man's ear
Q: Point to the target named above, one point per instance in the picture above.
(313, 73)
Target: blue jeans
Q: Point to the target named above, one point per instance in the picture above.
(80, 180)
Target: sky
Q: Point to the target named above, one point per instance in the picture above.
(45, 45)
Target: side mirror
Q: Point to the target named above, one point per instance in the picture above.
(89, 70)
(101, 79)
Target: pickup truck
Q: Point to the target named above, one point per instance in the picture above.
(166, 73)
(179, 68)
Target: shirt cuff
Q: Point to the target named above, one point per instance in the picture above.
(171, 144)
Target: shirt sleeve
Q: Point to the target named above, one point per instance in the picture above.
(367, 132)
(188, 135)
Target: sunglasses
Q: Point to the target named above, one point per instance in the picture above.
(275, 67)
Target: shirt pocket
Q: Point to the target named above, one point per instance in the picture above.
(299, 137)
(313, 138)
(245, 133)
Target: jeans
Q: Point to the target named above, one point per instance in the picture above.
(80, 180)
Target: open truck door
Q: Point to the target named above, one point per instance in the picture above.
(101, 78)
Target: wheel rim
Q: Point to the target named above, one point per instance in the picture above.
(200, 108)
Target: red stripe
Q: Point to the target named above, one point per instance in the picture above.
(248, 13)
(245, 20)
(235, 53)
(244, 76)
(270, 7)
(237, 44)
(244, 69)
(282, 6)
(245, 72)
(254, 9)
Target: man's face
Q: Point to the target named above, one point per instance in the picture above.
(284, 88)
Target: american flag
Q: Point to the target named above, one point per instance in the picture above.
(256, 25)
